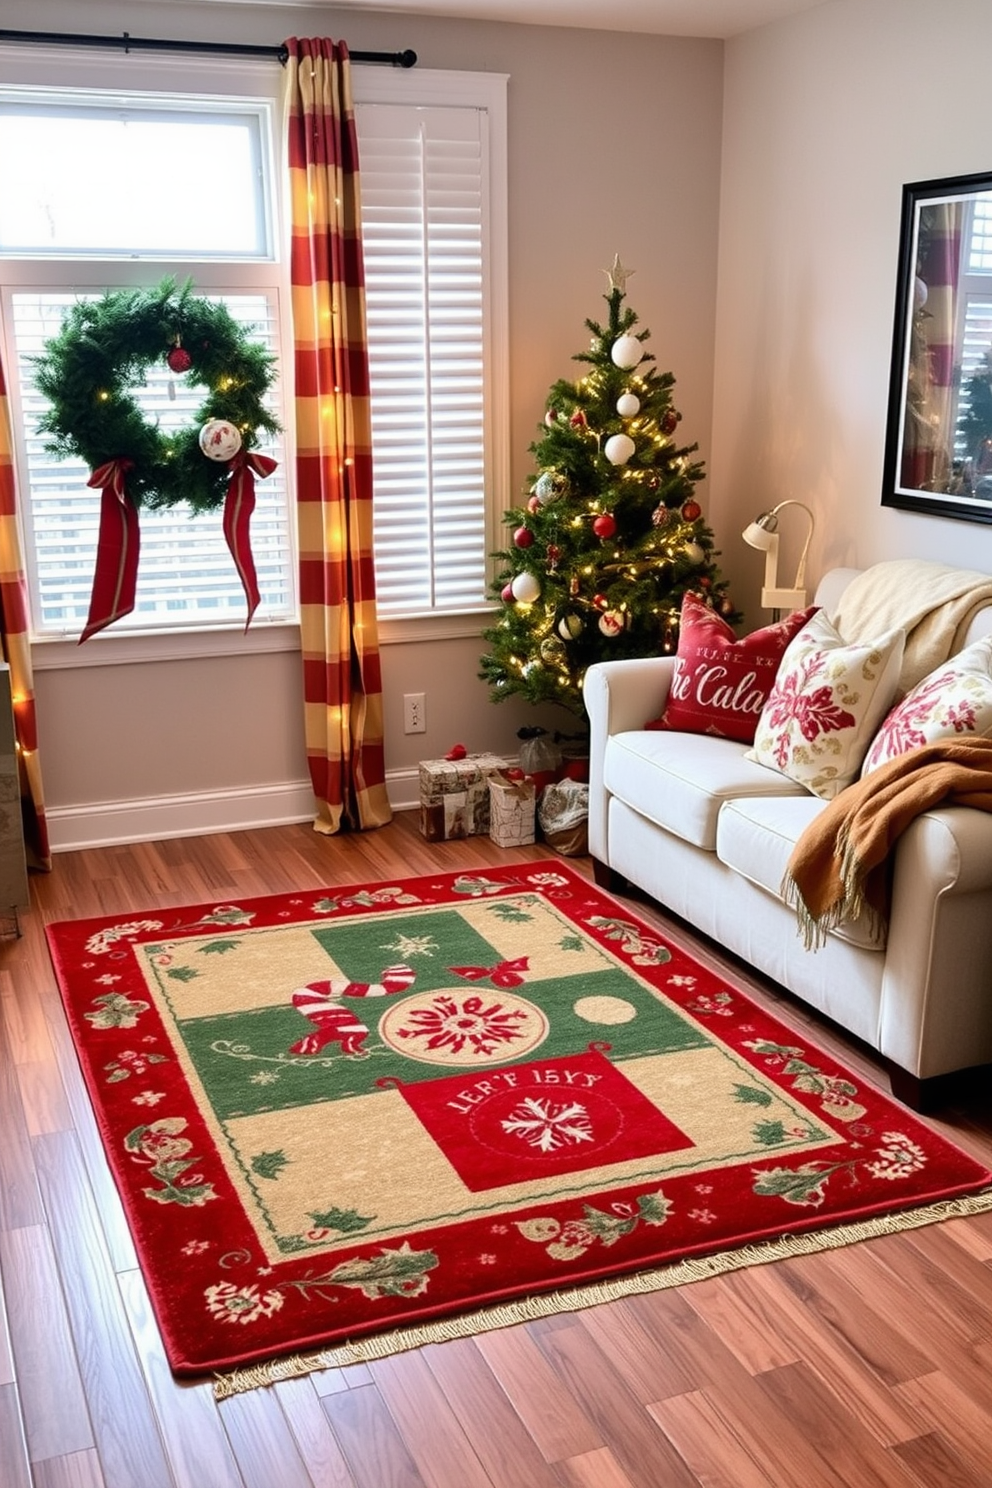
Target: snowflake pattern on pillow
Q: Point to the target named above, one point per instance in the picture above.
(954, 700)
(829, 698)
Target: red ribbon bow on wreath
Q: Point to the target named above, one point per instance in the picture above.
(119, 540)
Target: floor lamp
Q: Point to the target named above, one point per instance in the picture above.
(762, 534)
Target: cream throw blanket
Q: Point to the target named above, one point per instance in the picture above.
(932, 603)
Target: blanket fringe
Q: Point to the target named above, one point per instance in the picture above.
(848, 905)
(529, 1309)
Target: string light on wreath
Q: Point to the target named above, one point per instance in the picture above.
(87, 372)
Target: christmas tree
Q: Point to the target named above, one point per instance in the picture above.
(611, 535)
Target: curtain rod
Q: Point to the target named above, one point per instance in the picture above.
(145, 44)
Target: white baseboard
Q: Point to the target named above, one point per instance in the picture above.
(113, 823)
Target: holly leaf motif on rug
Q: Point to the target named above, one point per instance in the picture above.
(219, 947)
(392, 1273)
(751, 1095)
(163, 1147)
(803, 1185)
(345, 1221)
(269, 1164)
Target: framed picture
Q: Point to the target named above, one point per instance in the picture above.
(938, 447)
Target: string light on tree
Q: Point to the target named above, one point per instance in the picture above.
(610, 534)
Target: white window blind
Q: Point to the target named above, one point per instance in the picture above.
(426, 239)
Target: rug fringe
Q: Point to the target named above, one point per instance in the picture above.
(529, 1309)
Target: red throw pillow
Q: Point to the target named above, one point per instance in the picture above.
(721, 683)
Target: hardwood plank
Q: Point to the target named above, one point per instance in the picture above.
(316, 1442)
(263, 1445)
(593, 1470)
(833, 1433)
(373, 1448)
(123, 1422)
(53, 1401)
(640, 1356)
(43, 1097)
(642, 1450)
(935, 1464)
(499, 1437)
(954, 1414)
(703, 1439)
(977, 1242)
(195, 1441)
(537, 1394)
(741, 1321)
(789, 1292)
(15, 1470)
(20, 1201)
(430, 1429)
(81, 1470)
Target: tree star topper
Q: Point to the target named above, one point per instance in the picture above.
(618, 275)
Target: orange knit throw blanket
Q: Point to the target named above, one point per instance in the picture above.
(839, 866)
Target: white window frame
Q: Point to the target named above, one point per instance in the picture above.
(437, 89)
(221, 78)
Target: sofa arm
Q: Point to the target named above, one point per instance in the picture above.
(936, 1008)
(618, 695)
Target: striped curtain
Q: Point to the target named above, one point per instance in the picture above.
(342, 682)
(17, 651)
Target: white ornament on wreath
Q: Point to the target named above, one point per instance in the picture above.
(626, 352)
(619, 448)
(628, 404)
(219, 440)
(526, 588)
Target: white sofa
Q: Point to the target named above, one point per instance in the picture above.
(707, 833)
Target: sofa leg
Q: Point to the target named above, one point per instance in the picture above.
(918, 1094)
(608, 878)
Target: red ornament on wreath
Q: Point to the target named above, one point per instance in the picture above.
(179, 359)
(523, 537)
(691, 511)
(605, 526)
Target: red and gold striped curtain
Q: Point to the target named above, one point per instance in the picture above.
(342, 681)
(17, 651)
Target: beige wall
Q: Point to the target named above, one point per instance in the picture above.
(826, 116)
(614, 147)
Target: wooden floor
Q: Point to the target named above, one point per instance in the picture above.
(867, 1367)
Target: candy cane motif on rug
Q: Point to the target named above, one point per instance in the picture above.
(320, 1003)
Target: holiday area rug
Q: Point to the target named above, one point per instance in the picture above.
(348, 1120)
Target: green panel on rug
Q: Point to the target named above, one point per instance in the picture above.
(429, 942)
(246, 1066)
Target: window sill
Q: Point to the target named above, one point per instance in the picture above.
(141, 647)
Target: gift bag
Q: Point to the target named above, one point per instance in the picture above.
(564, 817)
(511, 810)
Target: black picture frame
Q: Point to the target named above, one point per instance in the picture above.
(938, 444)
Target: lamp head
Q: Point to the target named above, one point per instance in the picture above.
(761, 532)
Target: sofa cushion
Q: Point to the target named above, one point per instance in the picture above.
(755, 837)
(954, 700)
(827, 703)
(720, 683)
(680, 781)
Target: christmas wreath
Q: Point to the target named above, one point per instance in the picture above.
(87, 372)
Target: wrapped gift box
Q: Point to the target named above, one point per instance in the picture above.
(454, 795)
(512, 805)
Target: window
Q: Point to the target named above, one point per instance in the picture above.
(199, 201)
(433, 150)
(202, 200)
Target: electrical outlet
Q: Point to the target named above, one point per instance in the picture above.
(414, 713)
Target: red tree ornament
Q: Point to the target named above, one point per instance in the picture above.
(691, 511)
(578, 419)
(604, 526)
(670, 421)
(523, 537)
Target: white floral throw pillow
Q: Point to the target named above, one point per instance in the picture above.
(829, 697)
(954, 700)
